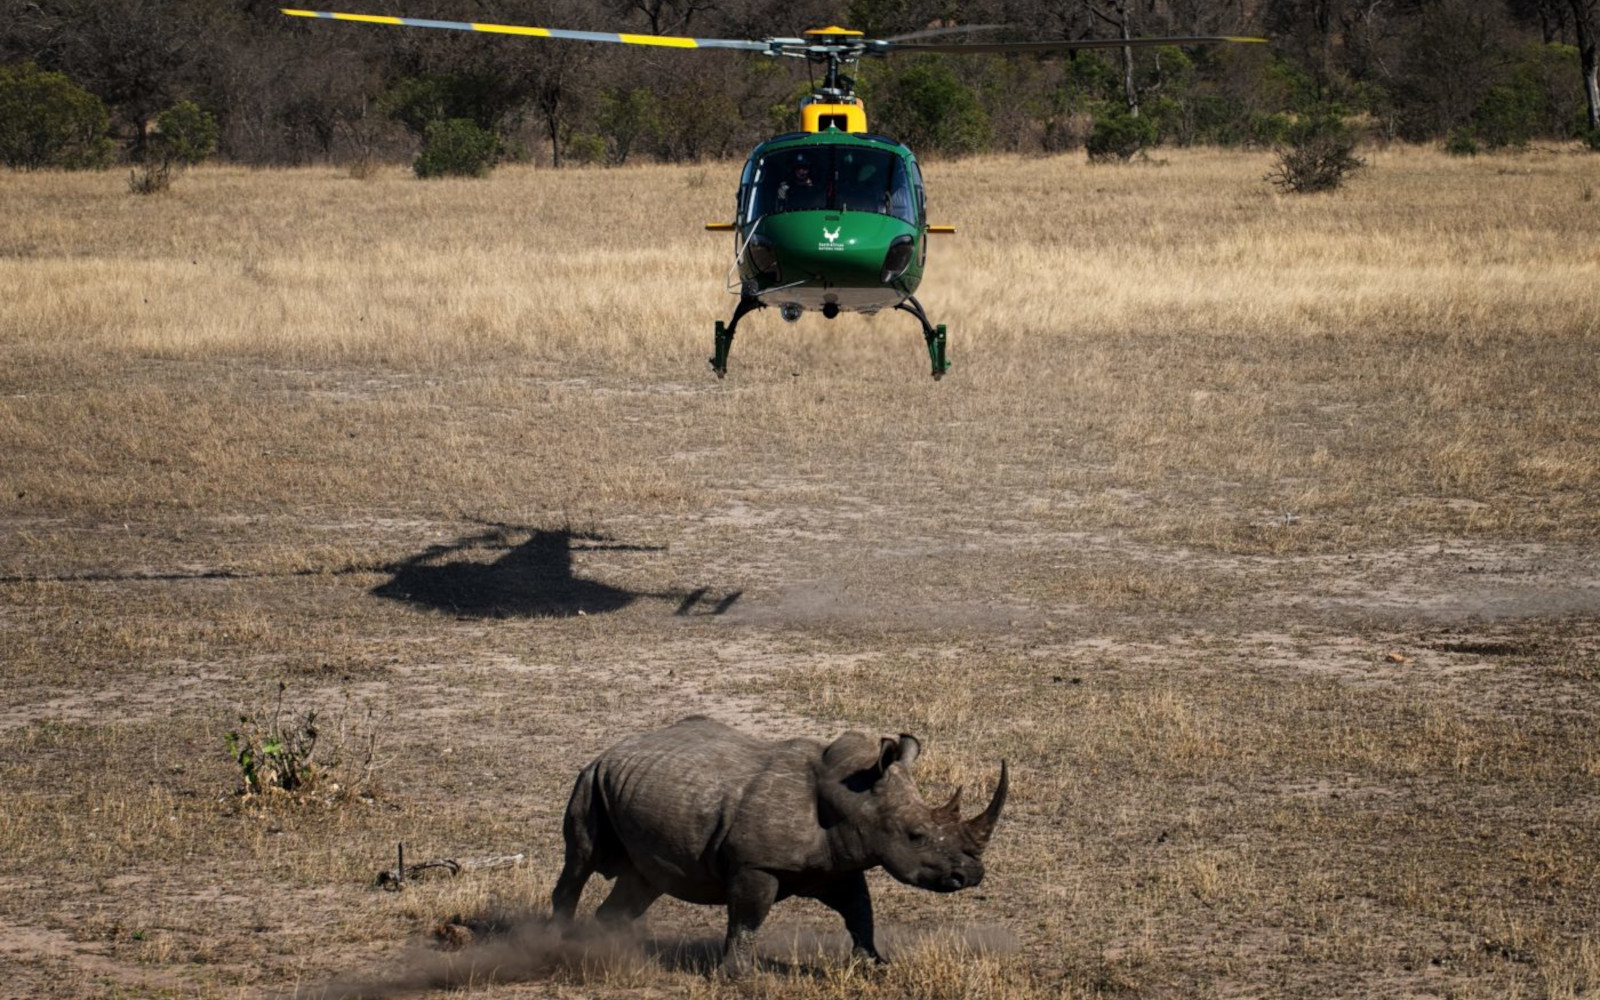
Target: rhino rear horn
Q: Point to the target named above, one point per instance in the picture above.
(950, 812)
(982, 825)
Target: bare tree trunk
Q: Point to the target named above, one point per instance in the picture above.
(1586, 19)
(1118, 18)
(1129, 91)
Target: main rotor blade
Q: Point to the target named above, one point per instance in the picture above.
(1074, 43)
(665, 41)
(960, 29)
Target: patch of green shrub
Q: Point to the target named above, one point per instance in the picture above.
(1461, 142)
(631, 118)
(185, 135)
(455, 147)
(929, 107)
(1118, 135)
(1270, 128)
(48, 121)
(300, 753)
(585, 148)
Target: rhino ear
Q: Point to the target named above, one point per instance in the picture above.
(904, 750)
(910, 747)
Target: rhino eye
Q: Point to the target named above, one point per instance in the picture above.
(916, 836)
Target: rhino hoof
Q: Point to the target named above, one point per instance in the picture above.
(871, 958)
(734, 971)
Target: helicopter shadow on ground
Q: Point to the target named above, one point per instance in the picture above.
(532, 579)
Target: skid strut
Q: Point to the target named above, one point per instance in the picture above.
(724, 334)
(934, 335)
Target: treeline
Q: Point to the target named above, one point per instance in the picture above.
(280, 90)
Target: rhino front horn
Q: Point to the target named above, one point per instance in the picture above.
(982, 825)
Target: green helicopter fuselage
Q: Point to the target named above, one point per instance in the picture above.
(831, 221)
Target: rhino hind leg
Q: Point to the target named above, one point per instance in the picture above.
(588, 838)
(569, 887)
(629, 898)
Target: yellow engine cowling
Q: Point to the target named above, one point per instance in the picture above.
(818, 117)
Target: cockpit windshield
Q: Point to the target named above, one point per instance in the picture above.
(830, 178)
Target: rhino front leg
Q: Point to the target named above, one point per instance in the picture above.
(751, 894)
(848, 896)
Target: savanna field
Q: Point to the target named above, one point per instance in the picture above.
(1260, 534)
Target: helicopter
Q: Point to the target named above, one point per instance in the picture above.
(833, 217)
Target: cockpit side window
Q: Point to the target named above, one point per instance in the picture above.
(921, 197)
(741, 211)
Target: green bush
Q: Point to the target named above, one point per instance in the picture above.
(46, 121)
(1533, 98)
(630, 118)
(1270, 128)
(297, 753)
(455, 147)
(927, 106)
(185, 134)
(489, 99)
(1118, 135)
(1319, 154)
(584, 148)
(1461, 142)
(1510, 115)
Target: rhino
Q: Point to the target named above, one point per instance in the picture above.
(707, 814)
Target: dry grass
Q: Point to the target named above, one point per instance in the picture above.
(1257, 532)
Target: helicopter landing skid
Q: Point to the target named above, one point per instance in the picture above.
(724, 335)
(934, 335)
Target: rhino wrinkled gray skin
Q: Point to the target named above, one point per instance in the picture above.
(707, 814)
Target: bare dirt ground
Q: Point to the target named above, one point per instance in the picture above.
(1259, 535)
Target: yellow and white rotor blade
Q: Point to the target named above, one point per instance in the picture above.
(613, 37)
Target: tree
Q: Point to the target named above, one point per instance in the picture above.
(46, 120)
(1452, 59)
(628, 118)
(139, 56)
(1115, 14)
(927, 105)
(664, 17)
